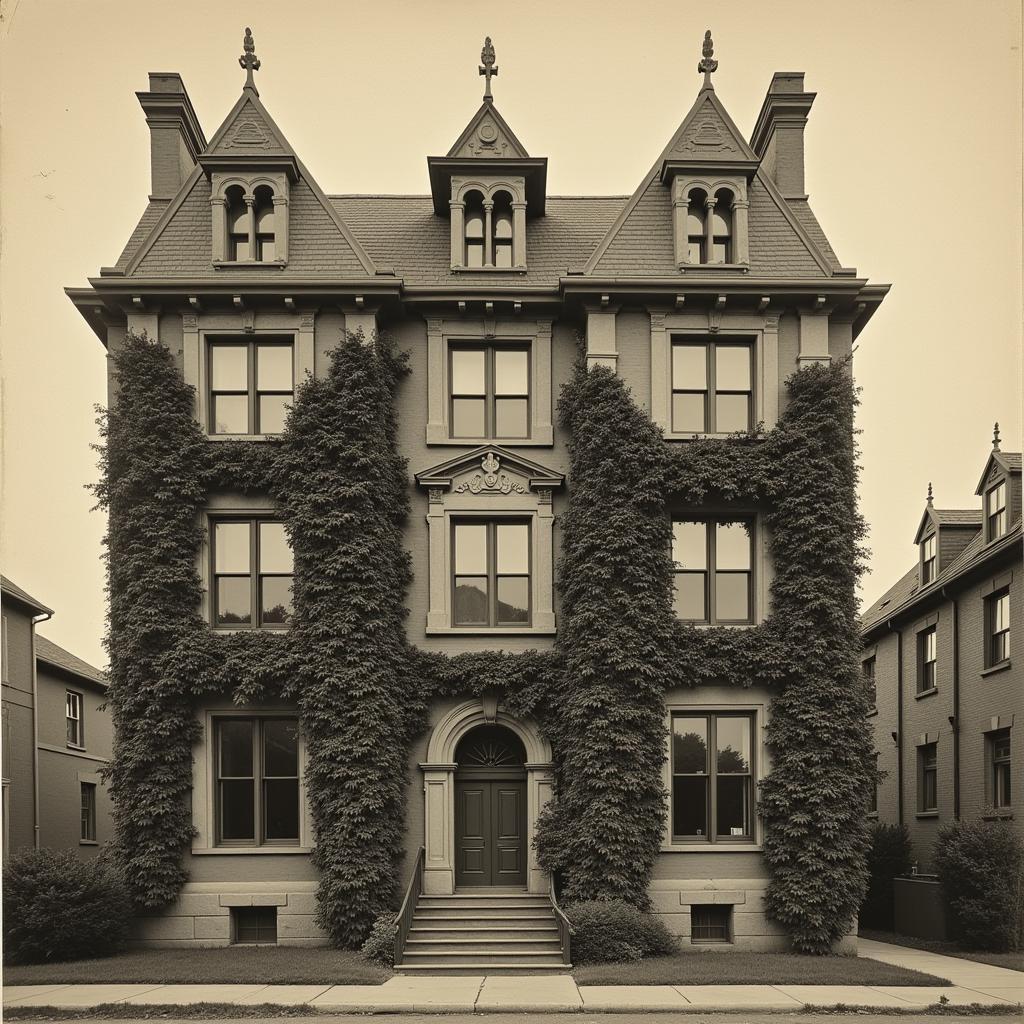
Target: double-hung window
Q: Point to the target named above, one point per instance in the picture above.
(714, 570)
(491, 572)
(999, 746)
(928, 778)
(713, 777)
(251, 385)
(928, 563)
(926, 659)
(489, 391)
(868, 676)
(88, 832)
(997, 627)
(712, 389)
(257, 781)
(252, 574)
(73, 706)
(995, 511)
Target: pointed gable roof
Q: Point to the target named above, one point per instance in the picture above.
(488, 463)
(488, 136)
(1005, 462)
(248, 130)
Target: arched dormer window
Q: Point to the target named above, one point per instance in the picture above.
(721, 228)
(501, 219)
(250, 217)
(488, 223)
(710, 221)
(696, 231)
(264, 214)
(474, 230)
(238, 224)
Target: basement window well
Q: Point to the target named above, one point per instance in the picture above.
(254, 925)
(710, 923)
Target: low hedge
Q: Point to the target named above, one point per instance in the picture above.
(379, 947)
(888, 857)
(610, 931)
(58, 907)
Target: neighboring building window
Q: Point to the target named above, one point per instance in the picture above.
(928, 560)
(998, 627)
(255, 925)
(491, 572)
(73, 715)
(927, 777)
(251, 385)
(868, 676)
(709, 923)
(252, 573)
(489, 391)
(713, 570)
(257, 771)
(999, 745)
(926, 658)
(88, 812)
(712, 777)
(995, 511)
(712, 391)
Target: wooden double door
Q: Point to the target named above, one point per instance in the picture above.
(490, 831)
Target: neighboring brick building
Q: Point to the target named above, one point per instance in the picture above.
(705, 290)
(56, 737)
(948, 669)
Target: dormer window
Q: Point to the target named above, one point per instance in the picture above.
(710, 222)
(928, 562)
(488, 229)
(250, 219)
(995, 511)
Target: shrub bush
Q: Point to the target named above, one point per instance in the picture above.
(57, 907)
(380, 944)
(981, 868)
(605, 931)
(888, 857)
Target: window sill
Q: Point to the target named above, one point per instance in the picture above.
(75, 746)
(873, 815)
(926, 814)
(88, 842)
(243, 437)
(221, 851)
(743, 268)
(546, 440)
(1004, 814)
(1001, 666)
(717, 625)
(931, 691)
(488, 631)
(711, 437)
(712, 848)
(249, 264)
(489, 270)
(227, 630)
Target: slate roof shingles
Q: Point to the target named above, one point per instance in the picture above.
(53, 654)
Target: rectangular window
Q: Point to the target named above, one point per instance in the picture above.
(926, 659)
(491, 572)
(73, 714)
(995, 511)
(712, 390)
(255, 925)
(928, 560)
(88, 812)
(999, 746)
(997, 627)
(868, 676)
(710, 923)
(251, 385)
(489, 391)
(257, 770)
(712, 777)
(928, 777)
(252, 574)
(714, 575)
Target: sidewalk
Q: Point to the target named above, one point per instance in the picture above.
(971, 983)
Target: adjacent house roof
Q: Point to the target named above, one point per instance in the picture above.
(51, 654)
(9, 589)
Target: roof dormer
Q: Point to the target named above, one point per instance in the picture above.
(488, 184)
(1000, 490)
(941, 536)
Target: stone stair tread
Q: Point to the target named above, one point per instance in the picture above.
(481, 942)
(490, 967)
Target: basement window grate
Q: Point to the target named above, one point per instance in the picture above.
(255, 925)
(710, 923)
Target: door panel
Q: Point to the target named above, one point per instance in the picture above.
(509, 813)
(490, 833)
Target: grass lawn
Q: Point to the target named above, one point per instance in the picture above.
(241, 965)
(733, 967)
(1014, 961)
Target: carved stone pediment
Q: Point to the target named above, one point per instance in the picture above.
(488, 469)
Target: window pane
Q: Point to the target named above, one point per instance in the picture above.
(732, 546)
(471, 549)
(511, 417)
(513, 542)
(689, 806)
(732, 368)
(693, 249)
(513, 599)
(236, 747)
(733, 818)
(281, 747)
(468, 417)
(471, 606)
(689, 545)
(502, 223)
(266, 248)
(468, 371)
(231, 547)
(503, 255)
(719, 253)
(732, 413)
(274, 368)
(474, 254)
(689, 367)
(694, 224)
(275, 554)
(732, 596)
(690, 596)
(719, 225)
(1001, 614)
(273, 410)
(281, 809)
(233, 601)
(688, 413)
(474, 224)
(231, 414)
(237, 817)
(240, 247)
(511, 372)
(275, 600)
(229, 370)
(690, 745)
(733, 742)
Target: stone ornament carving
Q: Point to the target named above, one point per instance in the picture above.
(492, 479)
(249, 134)
(435, 494)
(544, 495)
(190, 322)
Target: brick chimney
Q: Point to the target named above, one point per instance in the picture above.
(778, 137)
(175, 136)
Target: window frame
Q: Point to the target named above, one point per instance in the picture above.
(1000, 765)
(929, 559)
(999, 515)
(74, 700)
(255, 576)
(994, 638)
(491, 523)
(711, 345)
(712, 840)
(252, 345)
(88, 818)
(726, 910)
(255, 912)
(710, 572)
(868, 669)
(927, 659)
(490, 396)
(928, 765)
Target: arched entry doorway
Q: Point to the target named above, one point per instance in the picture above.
(490, 808)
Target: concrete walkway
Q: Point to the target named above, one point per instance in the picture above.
(971, 983)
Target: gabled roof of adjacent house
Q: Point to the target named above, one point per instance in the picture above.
(52, 654)
(10, 589)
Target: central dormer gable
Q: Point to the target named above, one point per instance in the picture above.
(488, 185)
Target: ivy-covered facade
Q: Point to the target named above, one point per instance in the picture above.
(513, 532)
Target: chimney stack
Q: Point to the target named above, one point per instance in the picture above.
(175, 136)
(778, 137)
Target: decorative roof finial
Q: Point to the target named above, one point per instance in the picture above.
(708, 64)
(930, 495)
(487, 67)
(995, 437)
(249, 61)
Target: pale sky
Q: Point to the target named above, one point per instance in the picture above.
(913, 152)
